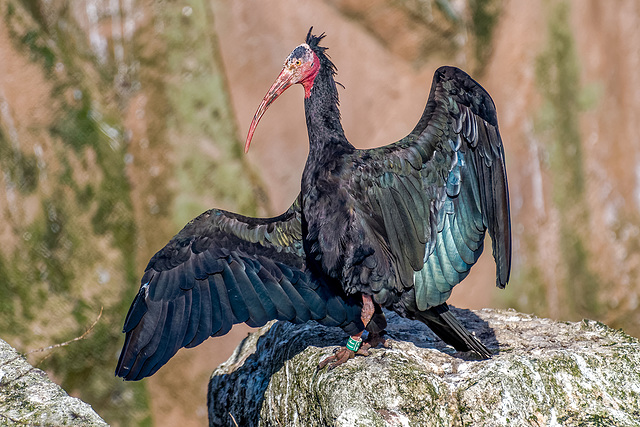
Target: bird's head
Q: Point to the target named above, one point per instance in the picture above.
(301, 66)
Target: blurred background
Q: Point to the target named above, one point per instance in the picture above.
(120, 120)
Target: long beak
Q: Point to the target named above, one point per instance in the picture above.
(284, 80)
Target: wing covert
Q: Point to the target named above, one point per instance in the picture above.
(222, 269)
(436, 191)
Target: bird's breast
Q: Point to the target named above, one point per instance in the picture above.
(338, 245)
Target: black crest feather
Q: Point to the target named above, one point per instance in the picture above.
(313, 41)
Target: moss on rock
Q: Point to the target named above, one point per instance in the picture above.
(543, 373)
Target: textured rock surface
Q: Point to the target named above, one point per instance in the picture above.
(543, 373)
(28, 397)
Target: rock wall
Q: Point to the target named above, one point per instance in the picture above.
(543, 373)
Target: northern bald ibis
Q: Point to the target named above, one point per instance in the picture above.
(396, 227)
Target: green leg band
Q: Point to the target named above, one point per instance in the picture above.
(353, 344)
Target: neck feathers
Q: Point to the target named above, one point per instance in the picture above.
(321, 108)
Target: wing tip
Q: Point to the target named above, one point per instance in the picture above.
(471, 88)
(123, 368)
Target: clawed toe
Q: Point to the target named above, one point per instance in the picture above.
(340, 356)
(343, 354)
(376, 339)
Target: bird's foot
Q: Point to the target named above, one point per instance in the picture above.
(342, 354)
(374, 340)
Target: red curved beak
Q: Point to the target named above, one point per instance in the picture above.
(284, 80)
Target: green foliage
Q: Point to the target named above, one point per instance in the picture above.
(43, 279)
(558, 77)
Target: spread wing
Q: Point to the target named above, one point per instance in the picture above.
(222, 269)
(433, 194)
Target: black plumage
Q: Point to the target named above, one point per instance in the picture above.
(400, 224)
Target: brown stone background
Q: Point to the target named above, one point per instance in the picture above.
(120, 120)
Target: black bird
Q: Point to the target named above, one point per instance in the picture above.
(395, 227)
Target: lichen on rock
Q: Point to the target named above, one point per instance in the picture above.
(543, 372)
(29, 397)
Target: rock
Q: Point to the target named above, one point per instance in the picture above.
(543, 373)
(28, 397)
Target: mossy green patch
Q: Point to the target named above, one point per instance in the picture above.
(15, 299)
(51, 246)
(21, 169)
(82, 127)
(76, 128)
(34, 8)
(202, 112)
(110, 215)
(39, 50)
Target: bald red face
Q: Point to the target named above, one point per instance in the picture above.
(301, 66)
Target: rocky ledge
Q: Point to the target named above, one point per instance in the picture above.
(29, 398)
(543, 373)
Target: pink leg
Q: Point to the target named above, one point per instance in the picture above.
(367, 310)
(342, 354)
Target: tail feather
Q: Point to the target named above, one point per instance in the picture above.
(445, 325)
